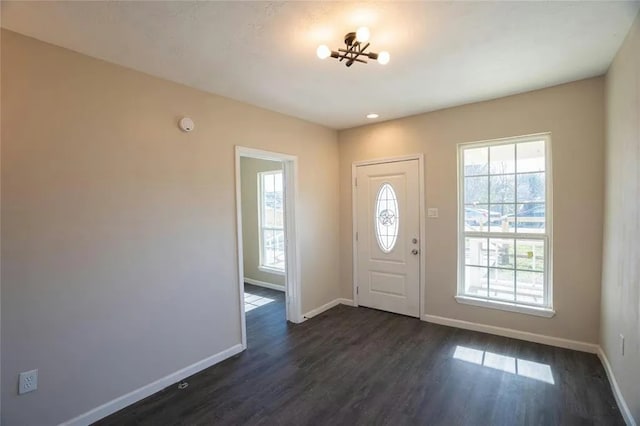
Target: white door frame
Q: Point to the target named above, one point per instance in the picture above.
(292, 273)
(422, 218)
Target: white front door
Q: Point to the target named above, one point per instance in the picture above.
(387, 239)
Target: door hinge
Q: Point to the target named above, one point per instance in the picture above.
(356, 184)
(357, 290)
(356, 235)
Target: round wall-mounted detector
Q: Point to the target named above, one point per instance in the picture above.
(186, 124)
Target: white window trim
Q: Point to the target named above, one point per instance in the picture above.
(506, 306)
(545, 310)
(271, 270)
(261, 265)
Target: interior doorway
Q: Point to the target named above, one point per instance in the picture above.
(267, 256)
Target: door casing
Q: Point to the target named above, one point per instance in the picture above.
(422, 218)
(293, 272)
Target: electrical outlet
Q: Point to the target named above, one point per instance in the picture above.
(432, 212)
(622, 344)
(28, 382)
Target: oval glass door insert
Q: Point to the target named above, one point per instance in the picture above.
(386, 217)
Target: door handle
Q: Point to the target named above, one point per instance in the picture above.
(414, 251)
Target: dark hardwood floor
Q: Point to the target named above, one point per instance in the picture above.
(362, 366)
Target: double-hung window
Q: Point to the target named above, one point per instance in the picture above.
(504, 241)
(271, 221)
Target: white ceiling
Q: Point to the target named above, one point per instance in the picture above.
(263, 53)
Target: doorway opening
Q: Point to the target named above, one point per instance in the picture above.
(268, 274)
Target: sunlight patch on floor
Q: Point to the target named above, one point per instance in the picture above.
(520, 367)
(253, 301)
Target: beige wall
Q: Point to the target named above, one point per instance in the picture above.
(118, 231)
(621, 250)
(574, 114)
(249, 169)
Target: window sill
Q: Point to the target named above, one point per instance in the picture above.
(506, 306)
(271, 270)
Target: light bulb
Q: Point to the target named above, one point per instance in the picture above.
(372, 115)
(383, 58)
(362, 35)
(323, 51)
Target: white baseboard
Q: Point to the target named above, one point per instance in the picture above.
(264, 284)
(622, 404)
(125, 400)
(317, 311)
(515, 334)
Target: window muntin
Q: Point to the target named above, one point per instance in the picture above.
(504, 215)
(387, 218)
(271, 221)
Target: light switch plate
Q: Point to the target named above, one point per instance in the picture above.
(432, 212)
(28, 382)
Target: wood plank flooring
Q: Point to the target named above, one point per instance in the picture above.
(359, 366)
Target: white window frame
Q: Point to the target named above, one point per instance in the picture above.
(261, 228)
(545, 310)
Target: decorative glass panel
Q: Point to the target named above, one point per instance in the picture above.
(386, 218)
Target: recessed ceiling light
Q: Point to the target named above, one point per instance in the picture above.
(372, 115)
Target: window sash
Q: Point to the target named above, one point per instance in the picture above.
(275, 225)
(276, 247)
(515, 269)
(516, 234)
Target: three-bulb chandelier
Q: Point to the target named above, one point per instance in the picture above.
(356, 46)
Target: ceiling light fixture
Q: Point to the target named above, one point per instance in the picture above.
(372, 115)
(356, 46)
